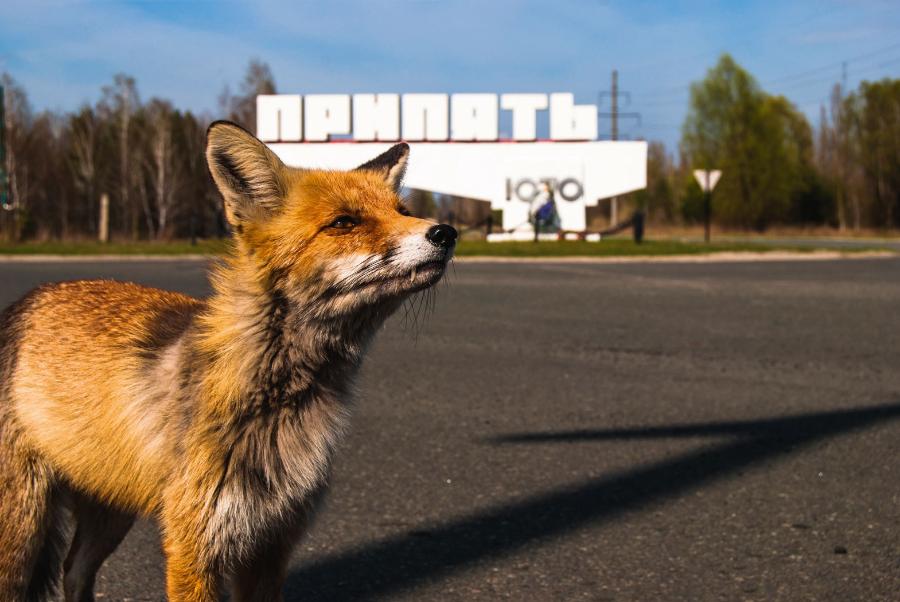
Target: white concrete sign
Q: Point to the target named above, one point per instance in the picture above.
(524, 182)
(375, 117)
(443, 129)
(524, 109)
(432, 117)
(327, 115)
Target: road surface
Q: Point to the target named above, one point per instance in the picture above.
(643, 432)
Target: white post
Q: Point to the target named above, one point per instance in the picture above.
(103, 228)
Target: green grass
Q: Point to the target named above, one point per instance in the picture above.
(203, 247)
(607, 248)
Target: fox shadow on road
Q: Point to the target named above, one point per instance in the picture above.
(433, 551)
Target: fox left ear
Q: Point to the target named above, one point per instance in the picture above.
(391, 164)
(246, 172)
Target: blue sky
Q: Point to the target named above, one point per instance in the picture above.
(63, 51)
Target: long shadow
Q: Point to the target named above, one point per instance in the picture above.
(756, 428)
(421, 556)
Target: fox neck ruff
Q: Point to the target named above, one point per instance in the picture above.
(270, 342)
(274, 372)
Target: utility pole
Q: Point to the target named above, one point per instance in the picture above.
(614, 100)
(614, 131)
(614, 114)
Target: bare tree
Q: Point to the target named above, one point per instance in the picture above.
(18, 124)
(83, 132)
(159, 162)
(121, 101)
(241, 108)
(842, 160)
(200, 201)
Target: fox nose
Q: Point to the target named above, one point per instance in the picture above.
(442, 235)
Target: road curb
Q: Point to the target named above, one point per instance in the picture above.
(723, 257)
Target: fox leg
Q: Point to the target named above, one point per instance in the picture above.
(32, 523)
(262, 579)
(188, 577)
(98, 533)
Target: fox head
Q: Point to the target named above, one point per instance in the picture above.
(340, 241)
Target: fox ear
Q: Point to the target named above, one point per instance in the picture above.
(246, 172)
(391, 164)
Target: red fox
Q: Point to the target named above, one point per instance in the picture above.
(219, 417)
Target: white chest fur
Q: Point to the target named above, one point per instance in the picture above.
(277, 464)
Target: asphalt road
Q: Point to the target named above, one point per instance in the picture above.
(645, 432)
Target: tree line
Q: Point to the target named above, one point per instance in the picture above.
(776, 169)
(147, 158)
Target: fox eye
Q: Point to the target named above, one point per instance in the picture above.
(402, 210)
(344, 222)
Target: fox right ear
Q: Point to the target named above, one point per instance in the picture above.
(390, 165)
(246, 172)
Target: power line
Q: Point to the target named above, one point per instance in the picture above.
(748, 35)
(663, 103)
(659, 126)
(673, 94)
(833, 65)
(798, 81)
(830, 78)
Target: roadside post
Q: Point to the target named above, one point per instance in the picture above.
(103, 226)
(707, 178)
(637, 225)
